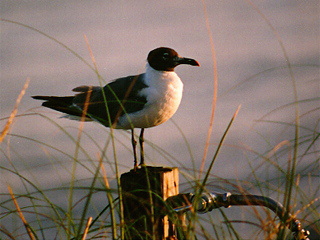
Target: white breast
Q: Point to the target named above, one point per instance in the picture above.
(163, 99)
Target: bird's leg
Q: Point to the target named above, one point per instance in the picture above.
(141, 141)
(134, 144)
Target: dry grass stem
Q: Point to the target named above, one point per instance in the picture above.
(86, 230)
(25, 223)
(14, 111)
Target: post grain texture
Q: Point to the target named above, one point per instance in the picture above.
(144, 192)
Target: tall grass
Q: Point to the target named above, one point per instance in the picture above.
(91, 207)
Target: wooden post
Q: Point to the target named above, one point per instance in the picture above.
(144, 193)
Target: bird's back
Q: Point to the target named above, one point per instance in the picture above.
(112, 101)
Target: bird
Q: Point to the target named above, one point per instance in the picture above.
(136, 101)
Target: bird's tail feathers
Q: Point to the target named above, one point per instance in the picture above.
(61, 104)
(58, 100)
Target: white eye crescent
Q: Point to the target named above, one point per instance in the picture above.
(165, 56)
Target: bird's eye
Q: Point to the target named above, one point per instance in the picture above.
(165, 56)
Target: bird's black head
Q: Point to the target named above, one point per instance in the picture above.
(166, 59)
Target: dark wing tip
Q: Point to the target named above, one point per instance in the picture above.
(40, 97)
(82, 88)
(85, 88)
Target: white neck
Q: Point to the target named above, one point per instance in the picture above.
(155, 77)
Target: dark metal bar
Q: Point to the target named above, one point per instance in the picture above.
(206, 202)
